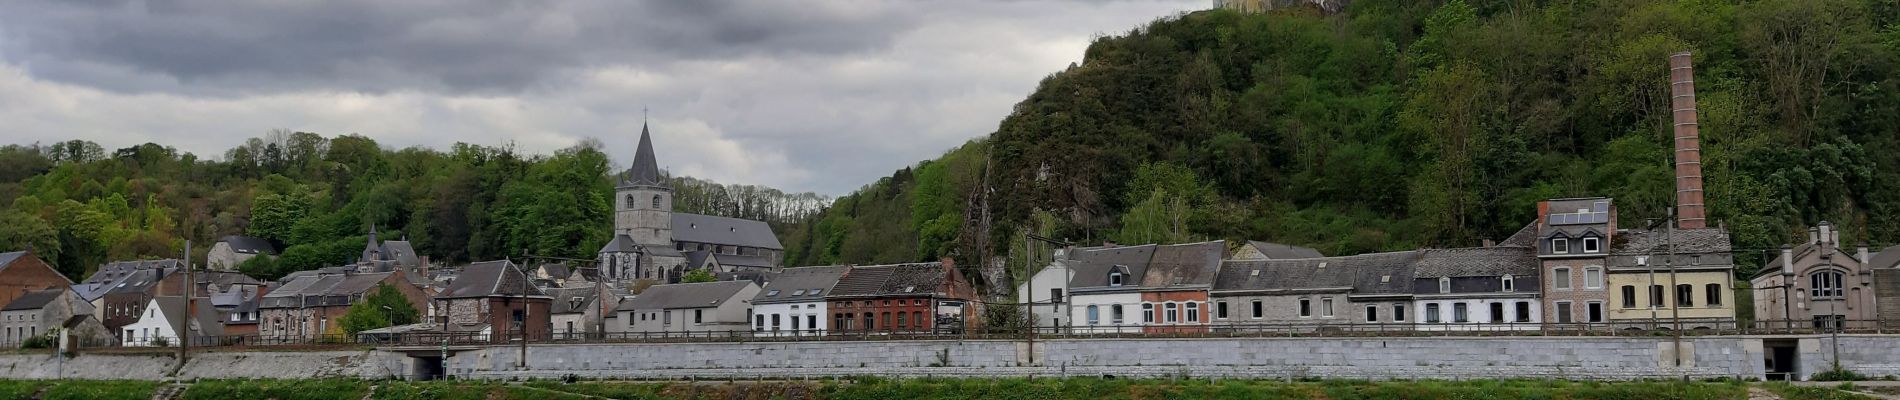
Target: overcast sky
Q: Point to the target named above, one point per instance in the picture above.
(802, 96)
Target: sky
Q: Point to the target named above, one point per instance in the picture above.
(796, 95)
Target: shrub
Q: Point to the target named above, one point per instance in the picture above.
(1837, 374)
(161, 342)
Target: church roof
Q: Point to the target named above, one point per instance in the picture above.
(645, 170)
(698, 228)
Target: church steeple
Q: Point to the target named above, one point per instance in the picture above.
(646, 169)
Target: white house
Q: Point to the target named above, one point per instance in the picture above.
(157, 324)
(793, 301)
(1050, 293)
(688, 307)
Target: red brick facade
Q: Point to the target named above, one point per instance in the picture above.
(1189, 319)
(28, 273)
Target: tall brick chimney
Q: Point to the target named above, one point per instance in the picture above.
(1689, 206)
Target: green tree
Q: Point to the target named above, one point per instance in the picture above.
(697, 276)
(382, 307)
(273, 215)
(27, 231)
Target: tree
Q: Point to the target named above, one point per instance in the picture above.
(697, 276)
(382, 307)
(273, 215)
(27, 231)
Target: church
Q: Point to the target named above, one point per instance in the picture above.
(651, 242)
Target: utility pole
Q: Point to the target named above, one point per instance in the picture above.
(184, 323)
(1029, 279)
(525, 283)
(1675, 307)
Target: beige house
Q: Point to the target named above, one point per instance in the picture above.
(689, 307)
(1815, 285)
(230, 251)
(1657, 275)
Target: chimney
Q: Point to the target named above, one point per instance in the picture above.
(1689, 210)
(1827, 233)
(1489, 243)
(1787, 260)
(1814, 235)
(1862, 254)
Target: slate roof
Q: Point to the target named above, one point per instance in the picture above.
(250, 245)
(621, 243)
(1276, 251)
(33, 300)
(723, 230)
(490, 278)
(685, 295)
(1093, 264)
(1888, 258)
(204, 321)
(1526, 237)
(739, 260)
(1476, 262)
(804, 284)
(892, 279)
(645, 170)
(402, 252)
(7, 258)
(113, 271)
(556, 270)
(564, 299)
(1378, 273)
(1635, 242)
(1193, 264)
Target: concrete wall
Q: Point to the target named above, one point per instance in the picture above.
(235, 364)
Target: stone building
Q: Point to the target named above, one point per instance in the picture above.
(1314, 293)
(1478, 288)
(916, 297)
(1572, 238)
(230, 251)
(652, 242)
(1819, 284)
(690, 307)
(1151, 289)
(22, 272)
(42, 311)
(496, 301)
(308, 307)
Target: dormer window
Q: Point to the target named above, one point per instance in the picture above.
(1444, 285)
(1560, 246)
(1591, 245)
(1114, 279)
(1510, 283)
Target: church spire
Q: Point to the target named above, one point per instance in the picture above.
(645, 170)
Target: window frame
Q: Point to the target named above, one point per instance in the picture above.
(1461, 312)
(1595, 312)
(1508, 283)
(1444, 285)
(1220, 310)
(1372, 313)
(1148, 313)
(1497, 313)
(1628, 293)
(1326, 307)
(1560, 279)
(1193, 311)
(1432, 313)
(1588, 282)
(1712, 295)
(1523, 312)
(1565, 314)
(1115, 314)
(1093, 315)
(1821, 288)
(1306, 307)
(1685, 295)
(1555, 247)
(1259, 308)
(1171, 312)
(1592, 245)
(1398, 312)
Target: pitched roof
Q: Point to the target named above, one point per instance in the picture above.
(33, 300)
(490, 278)
(564, 299)
(1278, 251)
(739, 260)
(891, 279)
(1092, 265)
(556, 270)
(1476, 261)
(204, 321)
(1526, 237)
(1888, 258)
(7, 258)
(645, 170)
(723, 230)
(1192, 264)
(800, 284)
(249, 245)
(686, 295)
(402, 252)
(1645, 242)
(1363, 273)
(621, 243)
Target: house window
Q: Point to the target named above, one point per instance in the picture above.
(887, 320)
(916, 318)
(1220, 310)
(1509, 283)
(1431, 312)
(1257, 309)
(1655, 296)
(1563, 312)
(1824, 285)
(758, 322)
(811, 321)
(1523, 311)
(1326, 307)
(1095, 315)
(1714, 291)
(1193, 311)
(1590, 245)
(1497, 312)
(666, 318)
(1444, 285)
(1459, 313)
(1592, 278)
(1372, 313)
(1685, 295)
(1560, 246)
(630, 202)
(1114, 279)
(1115, 314)
(1398, 312)
(1306, 308)
(1629, 296)
(900, 320)
(1055, 295)
(1560, 278)
(1173, 312)
(1148, 313)
(699, 316)
(775, 321)
(1594, 310)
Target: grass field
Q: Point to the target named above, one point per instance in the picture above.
(922, 389)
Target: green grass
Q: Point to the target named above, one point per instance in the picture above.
(309, 389)
(1100, 389)
(101, 390)
(1791, 392)
(19, 390)
(400, 390)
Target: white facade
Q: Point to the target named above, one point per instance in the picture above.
(787, 319)
(1050, 283)
(151, 326)
(1105, 319)
(1522, 312)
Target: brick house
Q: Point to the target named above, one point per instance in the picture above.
(1149, 288)
(1572, 238)
(917, 297)
(22, 272)
(1314, 292)
(308, 307)
(496, 300)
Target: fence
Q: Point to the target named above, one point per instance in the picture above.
(1660, 327)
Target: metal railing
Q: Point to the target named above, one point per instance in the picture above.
(1626, 328)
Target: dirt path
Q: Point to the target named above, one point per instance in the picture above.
(1757, 393)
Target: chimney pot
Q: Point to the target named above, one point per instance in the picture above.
(1787, 260)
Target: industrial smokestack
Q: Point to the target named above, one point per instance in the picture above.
(1689, 210)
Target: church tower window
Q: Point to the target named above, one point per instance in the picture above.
(656, 202)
